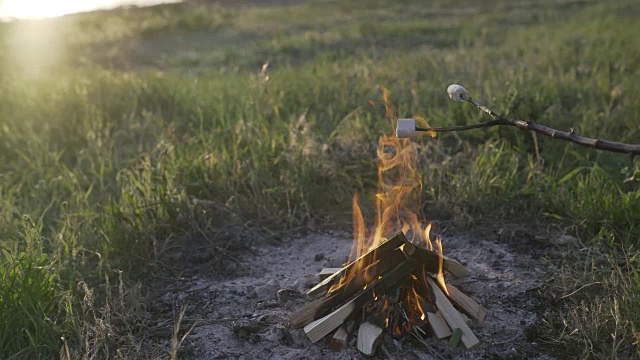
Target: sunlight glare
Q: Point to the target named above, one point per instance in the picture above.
(34, 9)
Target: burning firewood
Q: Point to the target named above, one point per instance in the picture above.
(430, 260)
(367, 258)
(338, 295)
(326, 272)
(321, 327)
(391, 290)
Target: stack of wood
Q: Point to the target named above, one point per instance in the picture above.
(392, 287)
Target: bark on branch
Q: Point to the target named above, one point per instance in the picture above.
(633, 149)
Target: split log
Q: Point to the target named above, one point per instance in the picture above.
(326, 272)
(368, 258)
(455, 268)
(430, 258)
(427, 257)
(369, 337)
(318, 307)
(310, 311)
(323, 326)
(340, 338)
(469, 305)
(452, 316)
(439, 326)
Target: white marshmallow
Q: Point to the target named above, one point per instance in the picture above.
(457, 93)
(406, 128)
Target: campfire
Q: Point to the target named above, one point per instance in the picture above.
(394, 281)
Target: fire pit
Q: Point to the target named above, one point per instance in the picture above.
(394, 281)
(398, 287)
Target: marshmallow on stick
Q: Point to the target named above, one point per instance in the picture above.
(458, 93)
(406, 128)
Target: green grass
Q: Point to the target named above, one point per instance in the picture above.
(121, 133)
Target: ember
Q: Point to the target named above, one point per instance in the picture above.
(394, 281)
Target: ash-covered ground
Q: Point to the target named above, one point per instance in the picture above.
(245, 317)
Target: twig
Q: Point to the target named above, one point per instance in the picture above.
(580, 288)
(633, 149)
(429, 348)
(508, 340)
(176, 341)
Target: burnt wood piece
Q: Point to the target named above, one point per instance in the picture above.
(367, 258)
(320, 306)
(469, 305)
(369, 338)
(323, 326)
(452, 316)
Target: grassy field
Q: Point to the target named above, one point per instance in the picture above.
(124, 133)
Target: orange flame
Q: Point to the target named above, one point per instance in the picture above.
(427, 239)
(388, 107)
(423, 123)
(440, 275)
(397, 201)
(399, 188)
(358, 229)
(418, 303)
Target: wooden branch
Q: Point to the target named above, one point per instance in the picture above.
(633, 149)
(462, 127)
(452, 316)
(369, 337)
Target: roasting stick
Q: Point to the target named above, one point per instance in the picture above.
(406, 128)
